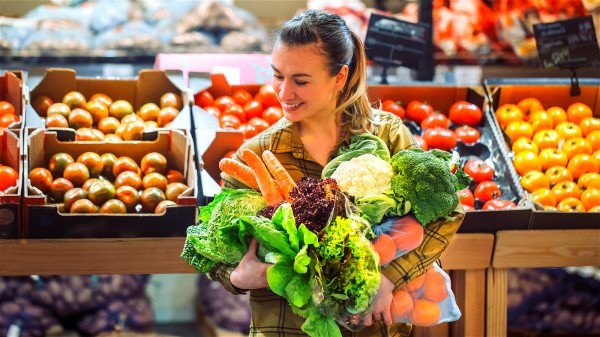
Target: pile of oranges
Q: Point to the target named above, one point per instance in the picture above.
(106, 183)
(556, 153)
(100, 118)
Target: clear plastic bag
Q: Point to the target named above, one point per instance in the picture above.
(135, 35)
(397, 236)
(426, 301)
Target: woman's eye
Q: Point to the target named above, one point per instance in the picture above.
(277, 77)
(301, 82)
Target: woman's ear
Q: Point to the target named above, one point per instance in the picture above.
(342, 77)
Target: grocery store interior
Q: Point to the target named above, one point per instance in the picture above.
(192, 77)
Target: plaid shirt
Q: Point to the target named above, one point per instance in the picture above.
(271, 315)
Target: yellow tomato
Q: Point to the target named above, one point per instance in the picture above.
(525, 144)
(541, 120)
(589, 124)
(578, 111)
(566, 189)
(594, 139)
(530, 105)
(507, 113)
(558, 114)
(553, 157)
(534, 180)
(590, 198)
(546, 139)
(568, 130)
(526, 161)
(558, 174)
(544, 197)
(575, 146)
(570, 204)
(582, 163)
(517, 129)
(589, 180)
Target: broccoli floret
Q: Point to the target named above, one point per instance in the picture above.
(426, 181)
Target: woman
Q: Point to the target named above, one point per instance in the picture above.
(319, 68)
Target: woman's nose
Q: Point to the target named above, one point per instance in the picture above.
(284, 91)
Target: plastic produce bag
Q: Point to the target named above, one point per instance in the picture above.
(135, 35)
(62, 41)
(426, 301)
(26, 319)
(397, 236)
(226, 310)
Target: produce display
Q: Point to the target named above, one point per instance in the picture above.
(556, 152)
(127, 314)
(100, 118)
(8, 115)
(222, 308)
(95, 183)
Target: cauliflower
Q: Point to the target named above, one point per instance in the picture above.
(364, 175)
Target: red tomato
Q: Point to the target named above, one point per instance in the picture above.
(466, 197)
(463, 112)
(249, 130)
(6, 108)
(229, 121)
(259, 123)
(223, 102)
(268, 96)
(495, 204)
(421, 142)
(241, 96)
(253, 108)
(467, 134)
(440, 138)
(204, 99)
(417, 111)
(487, 190)
(236, 110)
(393, 107)
(479, 170)
(435, 120)
(8, 119)
(272, 114)
(8, 177)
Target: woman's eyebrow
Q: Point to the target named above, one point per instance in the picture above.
(293, 75)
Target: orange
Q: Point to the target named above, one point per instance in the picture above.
(425, 313)
(578, 111)
(385, 246)
(594, 209)
(590, 198)
(415, 284)
(544, 197)
(557, 114)
(402, 305)
(570, 204)
(434, 287)
(523, 144)
(582, 163)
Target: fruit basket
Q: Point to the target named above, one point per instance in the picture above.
(154, 181)
(10, 183)
(513, 210)
(552, 137)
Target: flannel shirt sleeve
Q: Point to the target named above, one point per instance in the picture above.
(221, 273)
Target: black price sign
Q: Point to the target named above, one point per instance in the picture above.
(567, 44)
(393, 42)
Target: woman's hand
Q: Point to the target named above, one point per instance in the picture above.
(382, 303)
(250, 272)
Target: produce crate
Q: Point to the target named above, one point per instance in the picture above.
(10, 199)
(11, 90)
(147, 87)
(44, 220)
(487, 148)
(550, 92)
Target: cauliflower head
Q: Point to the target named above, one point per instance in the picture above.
(364, 175)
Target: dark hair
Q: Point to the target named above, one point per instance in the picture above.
(340, 46)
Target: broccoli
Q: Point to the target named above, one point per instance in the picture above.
(425, 179)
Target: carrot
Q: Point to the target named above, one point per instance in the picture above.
(281, 175)
(239, 171)
(266, 184)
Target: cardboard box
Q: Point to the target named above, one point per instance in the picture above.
(10, 199)
(441, 97)
(147, 87)
(43, 220)
(550, 92)
(11, 90)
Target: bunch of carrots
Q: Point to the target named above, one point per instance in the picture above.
(266, 175)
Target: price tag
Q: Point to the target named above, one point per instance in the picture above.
(567, 44)
(393, 42)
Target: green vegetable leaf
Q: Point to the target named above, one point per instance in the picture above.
(359, 145)
(318, 325)
(284, 218)
(266, 234)
(301, 261)
(307, 237)
(278, 277)
(297, 290)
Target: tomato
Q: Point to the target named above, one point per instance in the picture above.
(248, 130)
(507, 113)
(540, 120)
(241, 96)
(530, 105)
(41, 104)
(526, 161)
(125, 163)
(594, 209)
(544, 197)
(496, 204)
(525, 144)
(590, 198)
(175, 176)
(589, 124)
(272, 114)
(80, 118)
(8, 177)
(436, 119)
(534, 180)
(237, 111)
(440, 138)
(566, 189)
(41, 179)
(253, 109)
(213, 110)
(570, 204)
(259, 123)
(517, 129)
(103, 98)
(56, 121)
(417, 111)
(575, 146)
(487, 190)
(553, 157)
(393, 107)
(466, 197)
(557, 114)
(478, 170)
(229, 122)
(170, 99)
(119, 109)
(578, 111)
(59, 108)
(467, 134)
(468, 208)
(568, 130)
(546, 139)
(589, 180)
(6, 108)
(582, 163)
(223, 102)
(421, 142)
(204, 99)
(463, 112)
(89, 134)
(74, 99)
(7, 120)
(267, 95)
(558, 174)
(594, 139)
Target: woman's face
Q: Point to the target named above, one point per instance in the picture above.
(303, 84)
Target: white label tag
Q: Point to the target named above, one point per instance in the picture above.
(13, 331)
(467, 75)
(232, 74)
(117, 70)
